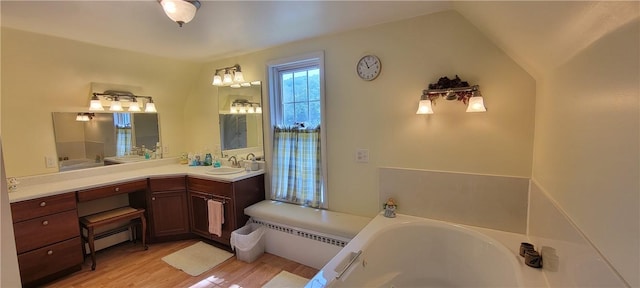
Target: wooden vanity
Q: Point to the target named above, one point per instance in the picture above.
(47, 230)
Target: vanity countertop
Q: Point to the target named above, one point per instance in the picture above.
(51, 184)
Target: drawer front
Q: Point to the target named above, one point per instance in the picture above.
(50, 259)
(208, 186)
(30, 209)
(45, 230)
(167, 184)
(106, 191)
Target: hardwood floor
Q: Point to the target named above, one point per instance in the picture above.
(127, 265)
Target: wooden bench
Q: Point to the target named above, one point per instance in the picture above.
(133, 216)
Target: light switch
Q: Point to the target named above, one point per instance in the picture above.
(362, 155)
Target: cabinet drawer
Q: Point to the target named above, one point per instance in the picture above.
(30, 209)
(42, 231)
(50, 259)
(106, 191)
(208, 186)
(167, 184)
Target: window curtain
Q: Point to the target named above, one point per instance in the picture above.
(123, 141)
(122, 122)
(297, 171)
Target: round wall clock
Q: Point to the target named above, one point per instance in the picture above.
(368, 67)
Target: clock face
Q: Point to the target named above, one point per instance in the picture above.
(369, 67)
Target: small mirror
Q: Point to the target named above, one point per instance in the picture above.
(240, 118)
(85, 140)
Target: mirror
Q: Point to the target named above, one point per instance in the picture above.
(240, 119)
(106, 138)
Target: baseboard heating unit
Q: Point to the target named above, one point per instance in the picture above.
(304, 246)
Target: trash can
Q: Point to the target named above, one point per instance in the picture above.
(248, 242)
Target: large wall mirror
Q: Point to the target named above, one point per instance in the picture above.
(240, 119)
(104, 138)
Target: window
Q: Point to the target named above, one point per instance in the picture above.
(298, 157)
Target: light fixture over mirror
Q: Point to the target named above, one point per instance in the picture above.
(231, 76)
(451, 89)
(117, 100)
(180, 11)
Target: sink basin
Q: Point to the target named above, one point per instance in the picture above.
(224, 170)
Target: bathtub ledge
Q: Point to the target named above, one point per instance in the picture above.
(324, 221)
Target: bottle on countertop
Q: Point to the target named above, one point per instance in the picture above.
(208, 160)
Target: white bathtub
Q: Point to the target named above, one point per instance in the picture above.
(409, 251)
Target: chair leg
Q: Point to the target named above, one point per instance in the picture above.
(92, 247)
(144, 231)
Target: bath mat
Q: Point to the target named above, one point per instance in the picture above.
(285, 279)
(197, 258)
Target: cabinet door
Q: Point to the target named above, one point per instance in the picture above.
(199, 215)
(170, 213)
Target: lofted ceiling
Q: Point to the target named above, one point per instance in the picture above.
(536, 34)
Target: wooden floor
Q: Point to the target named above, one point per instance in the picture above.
(127, 265)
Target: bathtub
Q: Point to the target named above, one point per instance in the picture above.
(409, 251)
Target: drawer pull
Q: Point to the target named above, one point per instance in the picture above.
(50, 252)
(45, 223)
(42, 204)
(153, 198)
(117, 189)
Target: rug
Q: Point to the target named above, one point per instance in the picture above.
(285, 279)
(197, 258)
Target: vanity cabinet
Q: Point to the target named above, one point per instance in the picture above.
(168, 210)
(235, 196)
(47, 237)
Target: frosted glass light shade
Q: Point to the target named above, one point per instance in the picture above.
(95, 105)
(424, 107)
(476, 104)
(115, 106)
(233, 110)
(150, 107)
(259, 110)
(134, 107)
(237, 77)
(227, 79)
(217, 80)
(180, 11)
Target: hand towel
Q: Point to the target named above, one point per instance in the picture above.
(216, 217)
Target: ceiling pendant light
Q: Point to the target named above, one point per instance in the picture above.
(180, 11)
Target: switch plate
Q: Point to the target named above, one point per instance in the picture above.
(49, 162)
(362, 155)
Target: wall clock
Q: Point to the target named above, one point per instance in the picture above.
(369, 67)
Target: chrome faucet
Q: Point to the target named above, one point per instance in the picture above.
(234, 161)
(249, 156)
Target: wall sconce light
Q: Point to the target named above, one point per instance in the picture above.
(115, 100)
(85, 117)
(448, 89)
(243, 106)
(232, 76)
(180, 11)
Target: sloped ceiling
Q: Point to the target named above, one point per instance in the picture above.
(539, 35)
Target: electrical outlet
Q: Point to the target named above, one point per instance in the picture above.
(49, 162)
(362, 155)
(165, 150)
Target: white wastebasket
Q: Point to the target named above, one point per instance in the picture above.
(248, 242)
